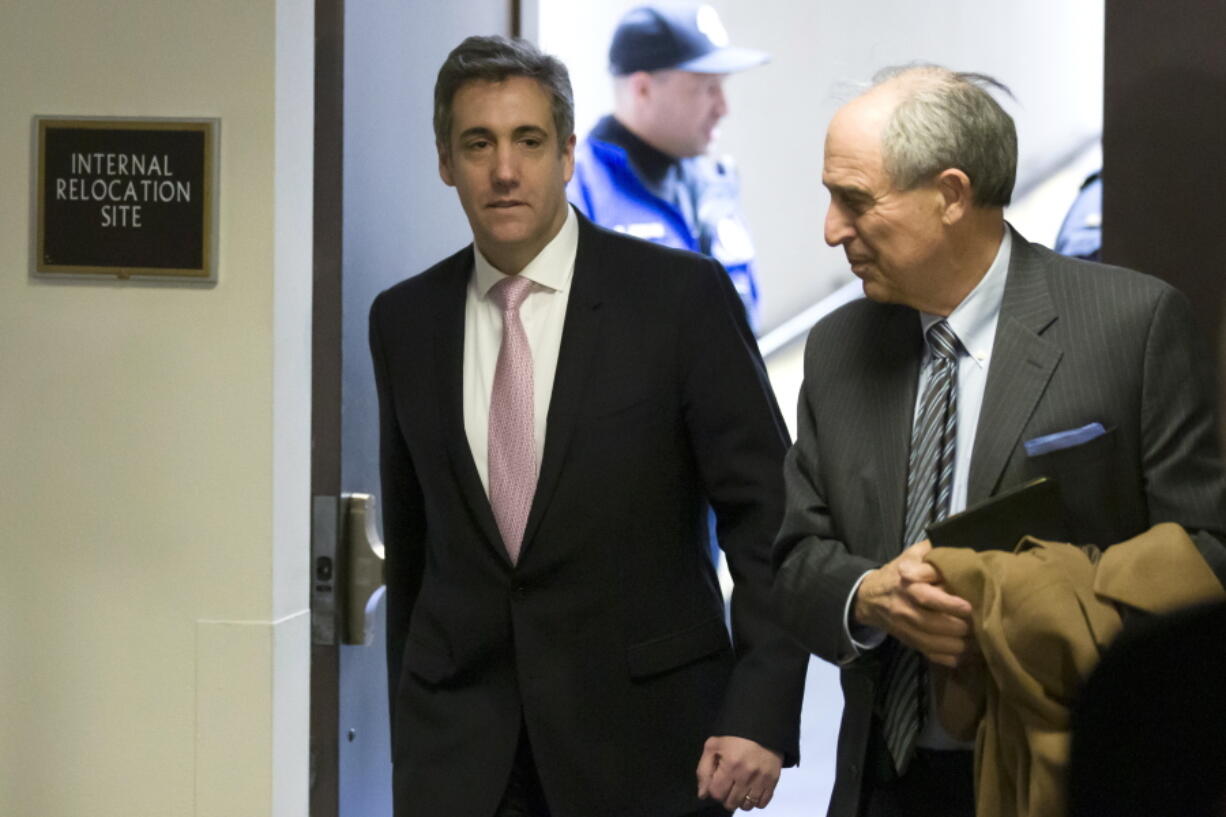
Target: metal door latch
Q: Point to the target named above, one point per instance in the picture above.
(346, 569)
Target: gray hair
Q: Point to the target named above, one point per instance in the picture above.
(947, 119)
(493, 59)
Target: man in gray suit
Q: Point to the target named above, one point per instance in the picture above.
(977, 362)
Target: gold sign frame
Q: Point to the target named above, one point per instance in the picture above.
(101, 268)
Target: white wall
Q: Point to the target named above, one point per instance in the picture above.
(1048, 51)
(154, 440)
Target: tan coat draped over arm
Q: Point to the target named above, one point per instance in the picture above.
(1042, 617)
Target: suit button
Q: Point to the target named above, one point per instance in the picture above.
(521, 591)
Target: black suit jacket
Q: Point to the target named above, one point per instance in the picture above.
(607, 640)
(1076, 342)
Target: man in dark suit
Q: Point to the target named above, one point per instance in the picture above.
(558, 405)
(977, 362)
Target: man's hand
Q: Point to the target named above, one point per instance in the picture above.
(904, 597)
(738, 772)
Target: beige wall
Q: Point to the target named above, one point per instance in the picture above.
(154, 440)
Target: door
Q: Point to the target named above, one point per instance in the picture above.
(381, 215)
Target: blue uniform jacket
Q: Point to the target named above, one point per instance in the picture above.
(606, 189)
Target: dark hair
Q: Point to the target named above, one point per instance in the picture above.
(493, 59)
(947, 119)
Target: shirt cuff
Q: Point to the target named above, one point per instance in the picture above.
(862, 638)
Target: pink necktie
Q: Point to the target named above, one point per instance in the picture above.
(512, 450)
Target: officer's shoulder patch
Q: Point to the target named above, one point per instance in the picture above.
(649, 230)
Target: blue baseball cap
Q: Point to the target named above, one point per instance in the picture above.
(686, 36)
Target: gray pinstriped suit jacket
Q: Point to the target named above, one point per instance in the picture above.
(1076, 343)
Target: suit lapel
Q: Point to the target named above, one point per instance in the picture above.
(1021, 367)
(449, 360)
(580, 332)
(889, 405)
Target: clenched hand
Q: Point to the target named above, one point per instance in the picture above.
(738, 772)
(904, 598)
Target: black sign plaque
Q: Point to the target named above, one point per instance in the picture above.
(126, 198)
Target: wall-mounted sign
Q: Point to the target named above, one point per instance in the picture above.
(127, 198)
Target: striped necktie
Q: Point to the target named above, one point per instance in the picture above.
(930, 474)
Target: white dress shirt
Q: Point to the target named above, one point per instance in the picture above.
(973, 321)
(542, 313)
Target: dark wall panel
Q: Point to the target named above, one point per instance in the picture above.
(1164, 156)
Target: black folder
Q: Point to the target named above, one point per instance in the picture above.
(1031, 509)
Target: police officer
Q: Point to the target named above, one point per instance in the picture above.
(1081, 234)
(644, 170)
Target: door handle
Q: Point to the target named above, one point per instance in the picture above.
(364, 551)
(347, 569)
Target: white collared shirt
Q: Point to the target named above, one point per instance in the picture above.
(974, 322)
(543, 313)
